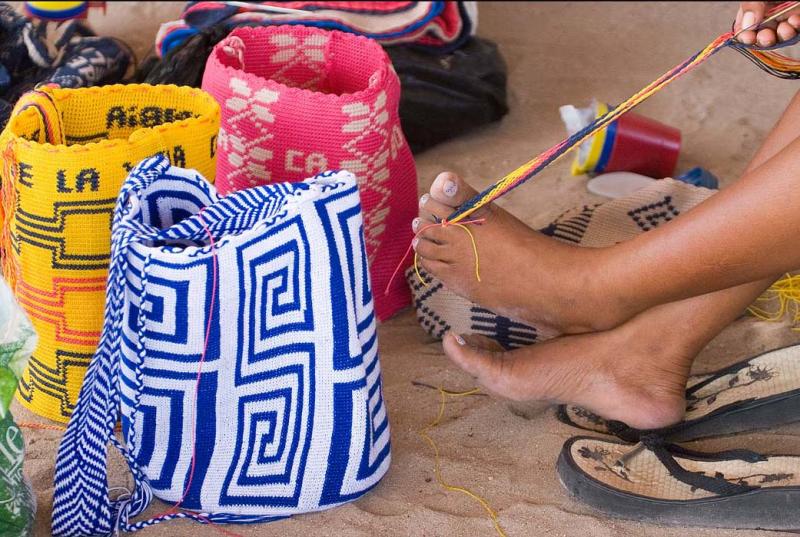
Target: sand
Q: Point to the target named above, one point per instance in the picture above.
(557, 53)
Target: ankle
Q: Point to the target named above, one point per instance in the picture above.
(602, 290)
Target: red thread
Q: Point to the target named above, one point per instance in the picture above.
(443, 223)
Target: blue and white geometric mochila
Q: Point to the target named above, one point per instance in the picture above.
(242, 326)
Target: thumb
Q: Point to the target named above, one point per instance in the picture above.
(752, 13)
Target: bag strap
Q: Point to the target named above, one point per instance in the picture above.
(81, 502)
(81, 497)
(48, 121)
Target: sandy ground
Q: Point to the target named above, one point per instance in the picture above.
(557, 53)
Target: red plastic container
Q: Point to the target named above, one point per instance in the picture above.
(643, 145)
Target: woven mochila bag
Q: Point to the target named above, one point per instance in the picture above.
(66, 153)
(240, 348)
(297, 101)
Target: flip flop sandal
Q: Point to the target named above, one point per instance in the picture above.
(757, 393)
(666, 484)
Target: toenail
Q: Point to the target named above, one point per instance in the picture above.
(460, 340)
(424, 199)
(450, 188)
(415, 242)
(415, 223)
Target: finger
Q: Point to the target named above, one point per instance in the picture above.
(766, 37)
(794, 21)
(786, 32)
(737, 24)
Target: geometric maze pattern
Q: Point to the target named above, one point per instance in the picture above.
(288, 414)
(59, 200)
(69, 218)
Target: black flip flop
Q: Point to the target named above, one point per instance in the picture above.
(757, 393)
(666, 484)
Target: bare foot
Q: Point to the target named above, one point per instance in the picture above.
(524, 275)
(635, 373)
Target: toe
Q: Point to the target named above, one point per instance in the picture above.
(449, 189)
(432, 210)
(488, 367)
(429, 250)
(438, 234)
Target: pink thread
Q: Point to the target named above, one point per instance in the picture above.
(443, 223)
(174, 509)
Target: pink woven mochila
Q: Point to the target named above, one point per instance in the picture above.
(297, 101)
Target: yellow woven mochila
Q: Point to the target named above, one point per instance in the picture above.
(66, 153)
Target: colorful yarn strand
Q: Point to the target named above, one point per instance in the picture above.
(768, 60)
(780, 300)
(461, 225)
(437, 468)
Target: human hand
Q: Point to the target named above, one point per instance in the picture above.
(783, 29)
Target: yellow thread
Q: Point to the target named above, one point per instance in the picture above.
(416, 269)
(786, 292)
(437, 469)
(474, 253)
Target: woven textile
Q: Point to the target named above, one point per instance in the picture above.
(66, 53)
(434, 26)
(297, 101)
(261, 344)
(440, 310)
(66, 153)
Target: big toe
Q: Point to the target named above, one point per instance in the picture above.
(449, 189)
(482, 363)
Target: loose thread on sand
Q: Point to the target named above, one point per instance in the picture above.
(41, 426)
(444, 223)
(786, 292)
(437, 467)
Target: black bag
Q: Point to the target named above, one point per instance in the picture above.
(445, 96)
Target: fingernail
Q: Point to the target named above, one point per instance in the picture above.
(415, 223)
(414, 243)
(424, 199)
(460, 340)
(450, 188)
(748, 19)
